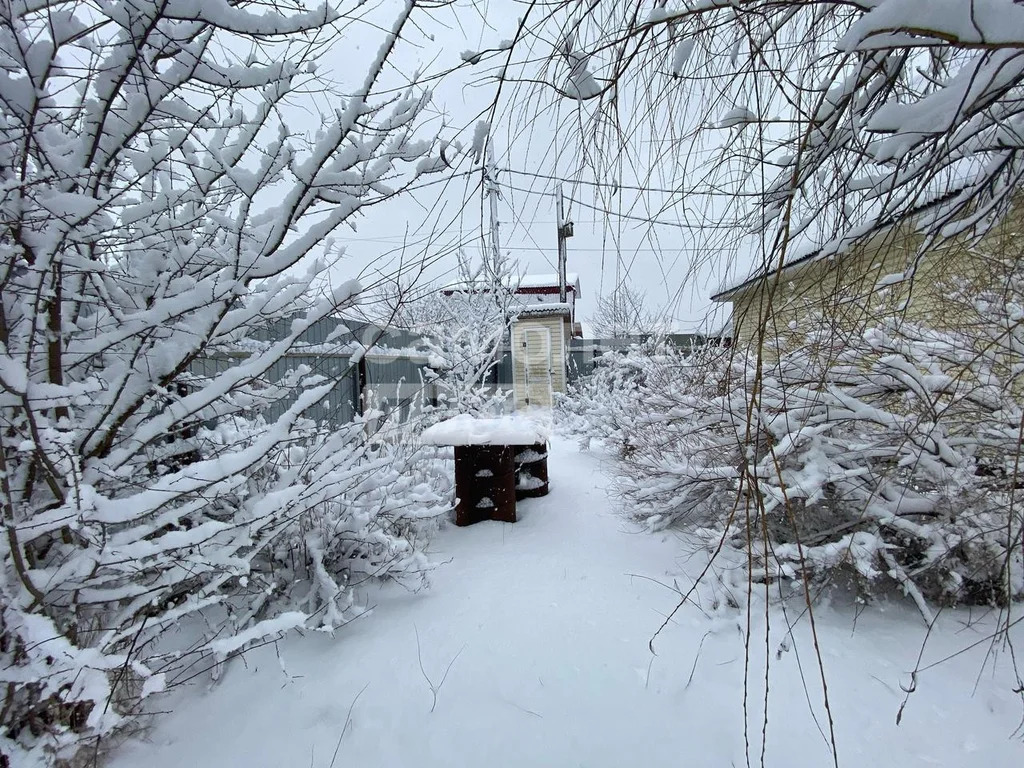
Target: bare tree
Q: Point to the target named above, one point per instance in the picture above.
(824, 119)
(622, 314)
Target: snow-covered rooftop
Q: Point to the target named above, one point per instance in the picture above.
(806, 253)
(526, 282)
(547, 308)
(511, 429)
(727, 289)
(572, 280)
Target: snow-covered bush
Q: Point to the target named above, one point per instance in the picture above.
(595, 406)
(157, 212)
(610, 403)
(678, 451)
(893, 458)
(465, 325)
(354, 510)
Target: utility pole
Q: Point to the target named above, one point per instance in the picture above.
(564, 233)
(493, 192)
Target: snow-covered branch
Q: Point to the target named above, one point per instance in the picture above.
(157, 212)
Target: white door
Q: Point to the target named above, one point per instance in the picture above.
(537, 362)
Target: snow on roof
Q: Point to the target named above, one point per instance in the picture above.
(807, 253)
(547, 308)
(527, 282)
(511, 429)
(728, 289)
(572, 280)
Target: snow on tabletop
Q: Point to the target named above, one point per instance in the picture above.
(511, 429)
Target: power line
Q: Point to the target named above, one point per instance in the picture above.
(599, 184)
(616, 214)
(529, 234)
(539, 249)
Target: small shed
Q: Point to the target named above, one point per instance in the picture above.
(540, 353)
(534, 290)
(544, 325)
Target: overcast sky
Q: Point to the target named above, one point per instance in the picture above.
(615, 239)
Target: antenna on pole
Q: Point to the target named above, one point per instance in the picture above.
(564, 233)
(493, 192)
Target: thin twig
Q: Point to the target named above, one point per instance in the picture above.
(348, 721)
(434, 689)
(696, 658)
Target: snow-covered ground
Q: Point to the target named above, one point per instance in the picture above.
(543, 628)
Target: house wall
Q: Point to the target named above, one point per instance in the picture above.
(557, 361)
(843, 295)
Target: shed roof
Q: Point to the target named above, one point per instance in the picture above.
(548, 309)
(572, 281)
(525, 283)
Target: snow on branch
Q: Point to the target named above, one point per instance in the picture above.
(164, 232)
(848, 117)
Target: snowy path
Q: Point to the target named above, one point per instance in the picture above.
(548, 630)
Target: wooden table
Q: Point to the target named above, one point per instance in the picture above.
(497, 461)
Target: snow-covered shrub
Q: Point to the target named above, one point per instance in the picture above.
(595, 406)
(611, 403)
(894, 458)
(281, 540)
(355, 509)
(51, 688)
(464, 326)
(158, 211)
(680, 454)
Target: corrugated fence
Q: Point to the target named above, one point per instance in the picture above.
(383, 368)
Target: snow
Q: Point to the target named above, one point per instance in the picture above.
(657, 14)
(481, 131)
(547, 280)
(511, 429)
(545, 308)
(530, 456)
(543, 627)
(572, 280)
(223, 14)
(581, 84)
(682, 54)
(529, 483)
(277, 625)
(737, 116)
(979, 21)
